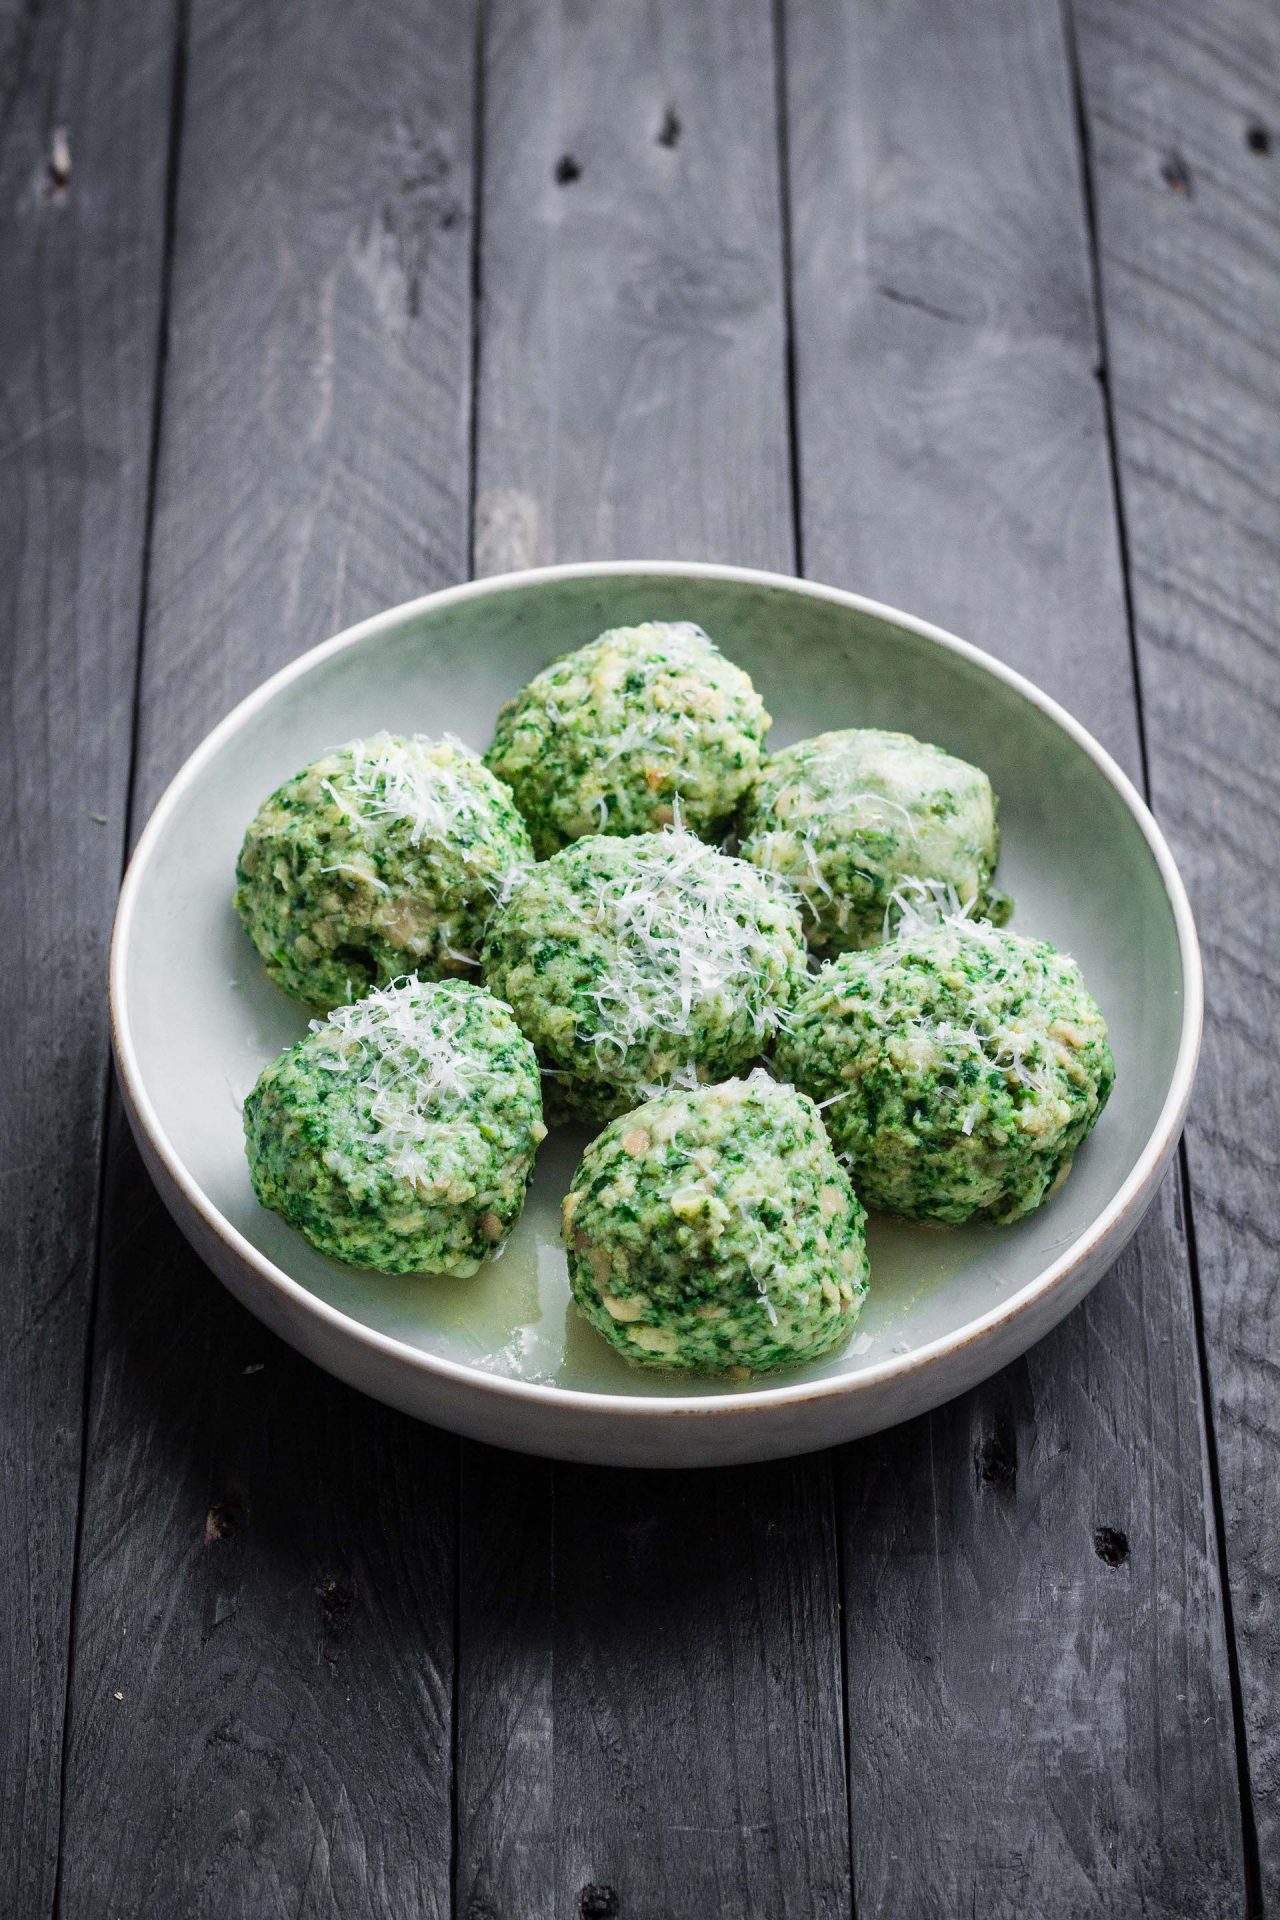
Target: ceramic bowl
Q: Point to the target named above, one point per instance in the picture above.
(504, 1357)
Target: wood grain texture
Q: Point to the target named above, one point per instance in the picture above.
(1038, 1691)
(262, 1701)
(649, 1693)
(84, 113)
(632, 354)
(1183, 112)
(261, 1713)
(649, 1719)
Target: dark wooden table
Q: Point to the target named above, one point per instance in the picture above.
(307, 307)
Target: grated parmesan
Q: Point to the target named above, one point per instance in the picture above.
(399, 1134)
(850, 816)
(385, 855)
(412, 782)
(647, 962)
(409, 1062)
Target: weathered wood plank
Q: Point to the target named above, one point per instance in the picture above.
(1183, 112)
(84, 114)
(632, 355)
(1040, 1717)
(648, 1704)
(264, 1628)
(649, 1693)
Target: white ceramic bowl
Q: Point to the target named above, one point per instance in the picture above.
(504, 1357)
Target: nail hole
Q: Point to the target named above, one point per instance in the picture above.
(1257, 137)
(597, 1903)
(1176, 174)
(996, 1462)
(670, 130)
(1111, 1546)
(337, 1597)
(567, 170)
(226, 1517)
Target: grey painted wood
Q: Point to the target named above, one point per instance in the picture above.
(1038, 1690)
(261, 1712)
(649, 1692)
(649, 1669)
(84, 111)
(649, 1714)
(1183, 113)
(632, 391)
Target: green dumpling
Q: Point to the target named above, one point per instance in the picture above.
(381, 858)
(851, 818)
(400, 1133)
(632, 963)
(958, 1069)
(645, 727)
(713, 1230)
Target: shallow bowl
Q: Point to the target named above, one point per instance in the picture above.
(504, 1357)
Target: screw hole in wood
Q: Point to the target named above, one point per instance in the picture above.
(1111, 1546)
(1176, 175)
(597, 1902)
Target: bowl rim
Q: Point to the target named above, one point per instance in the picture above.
(588, 1401)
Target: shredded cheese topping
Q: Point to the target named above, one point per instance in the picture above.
(848, 813)
(682, 645)
(835, 793)
(921, 906)
(929, 918)
(410, 1064)
(677, 918)
(411, 781)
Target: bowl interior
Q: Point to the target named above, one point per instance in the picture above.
(204, 1019)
